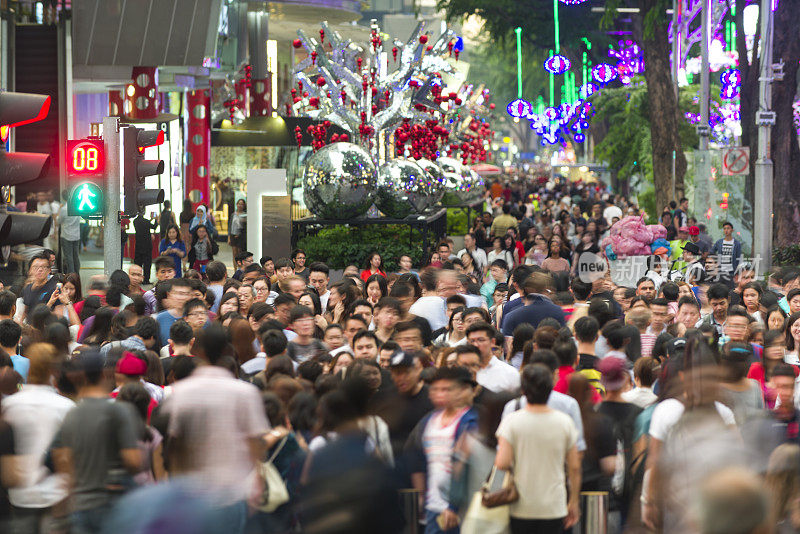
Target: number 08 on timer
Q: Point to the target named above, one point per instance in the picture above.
(85, 157)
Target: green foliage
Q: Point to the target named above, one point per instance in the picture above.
(788, 255)
(456, 221)
(341, 246)
(647, 202)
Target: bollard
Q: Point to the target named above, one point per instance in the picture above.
(594, 516)
(409, 500)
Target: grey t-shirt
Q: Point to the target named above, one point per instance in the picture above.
(95, 431)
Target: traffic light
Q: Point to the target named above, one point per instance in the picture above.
(86, 161)
(135, 168)
(18, 109)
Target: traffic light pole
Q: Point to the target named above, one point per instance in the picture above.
(112, 231)
(765, 119)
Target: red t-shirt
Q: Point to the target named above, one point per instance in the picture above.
(366, 273)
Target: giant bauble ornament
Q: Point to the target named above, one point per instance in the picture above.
(435, 179)
(402, 188)
(338, 181)
(450, 165)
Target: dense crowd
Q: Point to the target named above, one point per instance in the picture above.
(282, 397)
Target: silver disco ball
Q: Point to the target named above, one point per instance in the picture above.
(477, 185)
(450, 165)
(403, 188)
(338, 181)
(458, 189)
(435, 178)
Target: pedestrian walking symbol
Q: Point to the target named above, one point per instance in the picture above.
(85, 196)
(86, 200)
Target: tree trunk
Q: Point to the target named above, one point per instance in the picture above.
(663, 107)
(785, 148)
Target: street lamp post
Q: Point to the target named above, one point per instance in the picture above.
(765, 119)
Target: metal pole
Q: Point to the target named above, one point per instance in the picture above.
(112, 231)
(704, 77)
(702, 155)
(676, 35)
(762, 210)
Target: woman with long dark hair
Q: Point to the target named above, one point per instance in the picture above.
(172, 246)
(204, 248)
(374, 266)
(554, 262)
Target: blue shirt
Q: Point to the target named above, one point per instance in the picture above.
(21, 365)
(165, 320)
(539, 308)
(165, 244)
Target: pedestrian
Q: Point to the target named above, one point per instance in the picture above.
(171, 246)
(70, 226)
(204, 248)
(537, 442)
(96, 448)
(166, 219)
(143, 247)
(237, 228)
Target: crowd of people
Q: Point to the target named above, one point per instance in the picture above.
(282, 397)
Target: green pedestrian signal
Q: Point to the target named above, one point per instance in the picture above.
(86, 200)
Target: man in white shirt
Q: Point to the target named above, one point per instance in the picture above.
(36, 413)
(318, 278)
(495, 375)
(478, 254)
(436, 287)
(70, 241)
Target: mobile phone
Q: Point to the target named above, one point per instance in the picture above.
(58, 286)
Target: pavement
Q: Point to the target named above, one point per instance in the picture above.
(93, 261)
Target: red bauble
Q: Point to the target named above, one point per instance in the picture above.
(313, 58)
(297, 43)
(394, 53)
(344, 138)
(423, 39)
(491, 106)
(321, 82)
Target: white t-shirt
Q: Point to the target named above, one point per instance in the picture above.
(432, 309)
(479, 255)
(540, 442)
(669, 411)
(498, 376)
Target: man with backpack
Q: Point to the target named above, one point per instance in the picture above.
(614, 377)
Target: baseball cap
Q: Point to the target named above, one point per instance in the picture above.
(694, 230)
(691, 247)
(613, 372)
(130, 365)
(402, 359)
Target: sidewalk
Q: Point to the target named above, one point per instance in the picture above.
(92, 262)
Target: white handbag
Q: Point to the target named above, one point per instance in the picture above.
(275, 493)
(482, 520)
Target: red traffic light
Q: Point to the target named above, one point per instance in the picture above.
(85, 157)
(18, 109)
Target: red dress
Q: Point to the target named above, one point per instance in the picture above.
(366, 273)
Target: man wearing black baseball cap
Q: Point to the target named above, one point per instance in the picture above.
(404, 407)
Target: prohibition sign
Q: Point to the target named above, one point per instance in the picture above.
(735, 161)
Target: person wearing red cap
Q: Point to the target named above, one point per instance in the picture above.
(131, 368)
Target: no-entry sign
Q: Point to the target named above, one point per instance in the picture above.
(736, 160)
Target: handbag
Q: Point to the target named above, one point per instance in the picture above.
(275, 492)
(482, 520)
(507, 494)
